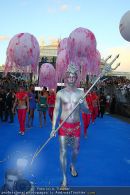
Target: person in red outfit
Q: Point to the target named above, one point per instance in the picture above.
(95, 103)
(87, 116)
(51, 103)
(22, 103)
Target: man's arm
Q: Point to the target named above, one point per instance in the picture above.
(14, 105)
(83, 105)
(27, 104)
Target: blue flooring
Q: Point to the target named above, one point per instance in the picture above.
(104, 158)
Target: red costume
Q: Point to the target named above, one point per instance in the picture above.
(21, 96)
(51, 103)
(87, 117)
(70, 129)
(95, 102)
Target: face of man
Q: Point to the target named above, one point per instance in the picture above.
(10, 181)
(21, 89)
(71, 79)
(32, 87)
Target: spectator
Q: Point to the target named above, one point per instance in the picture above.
(113, 104)
(102, 102)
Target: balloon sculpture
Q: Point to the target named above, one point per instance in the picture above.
(47, 76)
(63, 45)
(95, 60)
(22, 53)
(79, 48)
(81, 42)
(62, 62)
(124, 26)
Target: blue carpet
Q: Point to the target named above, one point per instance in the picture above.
(104, 158)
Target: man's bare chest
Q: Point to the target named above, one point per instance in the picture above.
(70, 98)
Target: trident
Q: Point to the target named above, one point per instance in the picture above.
(107, 68)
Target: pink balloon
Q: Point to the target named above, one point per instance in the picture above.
(23, 50)
(47, 76)
(62, 45)
(82, 64)
(62, 62)
(98, 56)
(80, 41)
(95, 63)
(88, 65)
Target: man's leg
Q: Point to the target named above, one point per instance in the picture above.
(102, 110)
(84, 117)
(23, 118)
(40, 118)
(86, 122)
(50, 111)
(75, 151)
(44, 116)
(20, 119)
(93, 116)
(6, 114)
(63, 160)
(11, 115)
(30, 117)
(1, 112)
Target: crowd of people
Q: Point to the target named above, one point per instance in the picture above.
(19, 96)
(118, 85)
(9, 87)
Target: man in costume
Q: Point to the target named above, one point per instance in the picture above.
(22, 103)
(69, 133)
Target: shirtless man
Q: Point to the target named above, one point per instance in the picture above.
(22, 103)
(69, 133)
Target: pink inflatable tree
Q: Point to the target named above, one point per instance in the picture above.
(62, 62)
(63, 45)
(47, 76)
(82, 48)
(23, 50)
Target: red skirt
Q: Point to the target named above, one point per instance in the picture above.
(70, 129)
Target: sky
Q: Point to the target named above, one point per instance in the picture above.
(54, 19)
